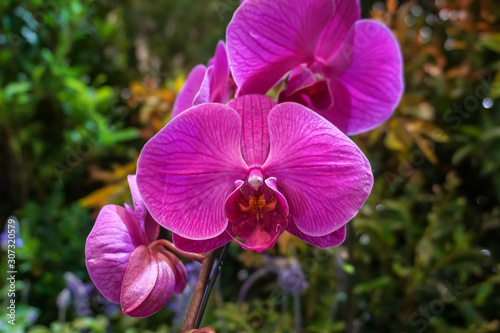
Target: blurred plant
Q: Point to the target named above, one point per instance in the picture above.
(423, 255)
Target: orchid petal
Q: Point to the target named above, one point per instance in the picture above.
(323, 175)
(366, 78)
(108, 250)
(139, 206)
(334, 238)
(267, 39)
(232, 204)
(220, 74)
(134, 228)
(281, 206)
(345, 14)
(151, 228)
(148, 283)
(186, 171)
(177, 267)
(188, 92)
(215, 86)
(254, 111)
(317, 97)
(301, 77)
(203, 95)
(201, 246)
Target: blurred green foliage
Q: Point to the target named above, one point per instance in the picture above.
(85, 83)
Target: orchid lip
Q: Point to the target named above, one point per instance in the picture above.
(261, 247)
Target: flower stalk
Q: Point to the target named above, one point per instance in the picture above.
(169, 245)
(204, 285)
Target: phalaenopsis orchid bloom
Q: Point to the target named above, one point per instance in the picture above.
(127, 263)
(249, 171)
(347, 69)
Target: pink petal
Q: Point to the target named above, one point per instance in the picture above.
(213, 88)
(317, 97)
(220, 74)
(139, 207)
(334, 238)
(266, 39)
(187, 170)
(191, 87)
(254, 111)
(282, 206)
(147, 224)
(301, 77)
(323, 175)
(108, 250)
(151, 229)
(134, 228)
(366, 78)
(203, 95)
(232, 204)
(201, 246)
(148, 284)
(177, 267)
(345, 14)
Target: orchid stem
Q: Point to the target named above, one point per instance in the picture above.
(203, 288)
(172, 247)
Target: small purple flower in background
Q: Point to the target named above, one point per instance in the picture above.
(249, 171)
(205, 85)
(291, 277)
(126, 262)
(63, 299)
(348, 70)
(15, 234)
(80, 293)
(31, 315)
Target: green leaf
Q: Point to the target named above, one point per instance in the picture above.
(372, 285)
(348, 268)
(492, 42)
(482, 294)
(462, 153)
(16, 88)
(495, 87)
(112, 138)
(76, 85)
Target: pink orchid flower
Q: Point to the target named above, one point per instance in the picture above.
(204, 84)
(348, 70)
(249, 171)
(127, 263)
